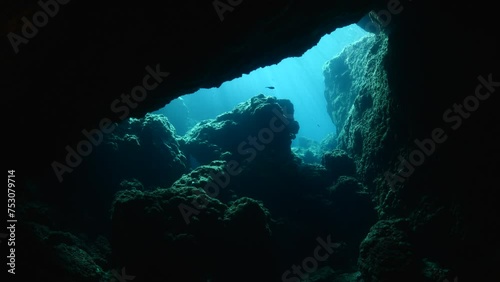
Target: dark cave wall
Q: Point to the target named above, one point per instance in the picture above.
(448, 200)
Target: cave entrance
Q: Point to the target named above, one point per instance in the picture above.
(299, 79)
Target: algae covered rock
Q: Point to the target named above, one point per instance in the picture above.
(63, 256)
(360, 103)
(248, 221)
(146, 149)
(261, 123)
(164, 244)
(196, 249)
(217, 179)
(338, 163)
(138, 154)
(387, 255)
(353, 208)
(353, 77)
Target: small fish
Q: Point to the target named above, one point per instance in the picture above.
(318, 125)
(270, 87)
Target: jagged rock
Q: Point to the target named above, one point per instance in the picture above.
(76, 264)
(387, 255)
(314, 178)
(177, 114)
(138, 154)
(168, 245)
(194, 250)
(338, 163)
(248, 241)
(329, 143)
(434, 272)
(62, 256)
(214, 178)
(131, 184)
(248, 220)
(262, 123)
(352, 214)
(308, 156)
(353, 77)
(308, 150)
(145, 149)
(358, 99)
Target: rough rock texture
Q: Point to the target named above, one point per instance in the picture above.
(212, 177)
(390, 253)
(261, 123)
(177, 114)
(361, 109)
(410, 90)
(353, 215)
(387, 255)
(145, 149)
(311, 151)
(168, 247)
(62, 256)
(329, 142)
(338, 163)
(308, 150)
(291, 189)
(141, 153)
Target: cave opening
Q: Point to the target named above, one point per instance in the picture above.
(298, 79)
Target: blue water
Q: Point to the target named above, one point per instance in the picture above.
(299, 79)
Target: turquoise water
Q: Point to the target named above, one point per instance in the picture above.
(299, 79)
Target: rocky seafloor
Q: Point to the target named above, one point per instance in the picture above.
(231, 200)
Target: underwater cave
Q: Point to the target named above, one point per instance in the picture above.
(227, 141)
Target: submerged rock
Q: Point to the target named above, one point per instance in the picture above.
(138, 154)
(338, 163)
(145, 149)
(358, 99)
(262, 123)
(198, 250)
(177, 114)
(62, 256)
(349, 78)
(386, 254)
(215, 178)
(308, 150)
